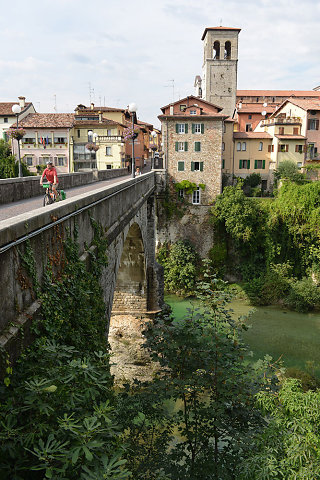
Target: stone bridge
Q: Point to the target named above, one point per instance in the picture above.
(132, 281)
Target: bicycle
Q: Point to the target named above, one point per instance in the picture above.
(49, 196)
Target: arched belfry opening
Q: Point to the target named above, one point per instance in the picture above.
(216, 50)
(227, 50)
(130, 293)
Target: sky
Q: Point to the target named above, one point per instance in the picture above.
(59, 53)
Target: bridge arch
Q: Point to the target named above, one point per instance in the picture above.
(131, 289)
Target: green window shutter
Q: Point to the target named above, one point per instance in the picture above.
(186, 128)
(202, 127)
(256, 164)
(240, 163)
(192, 166)
(176, 146)
(197, 146)
(180, 166)
(263, 164)
(193, 128)
(201, 166)
(185, 146)
(177, 127)
(248, 164)
(223, 163)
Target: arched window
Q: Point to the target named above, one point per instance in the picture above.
(260, 146)
(216, 50)
(238, 146)
(227, 50)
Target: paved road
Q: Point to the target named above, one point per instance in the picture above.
(12, 209)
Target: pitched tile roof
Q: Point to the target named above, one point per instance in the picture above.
(48, 120)
(291, 137)
(84, 109)
(255, 108)
(95, 122)
(219, 28)
(278, 93)
(193, 98)
(309, 104)
(249, 135)
(6, 108)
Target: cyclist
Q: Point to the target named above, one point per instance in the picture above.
(51, 174)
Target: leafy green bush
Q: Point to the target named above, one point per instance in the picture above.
(180, 263)
(57, 417)
(304, 296)
(8, 165)
(290, 171)
(270, 287)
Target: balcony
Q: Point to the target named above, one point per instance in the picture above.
(281, 121)
(110, 138)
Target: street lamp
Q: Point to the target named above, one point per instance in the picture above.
(16, 109)
(153, 135)
(132, 108)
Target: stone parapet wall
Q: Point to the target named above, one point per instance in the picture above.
(125, 301)
(14, 189)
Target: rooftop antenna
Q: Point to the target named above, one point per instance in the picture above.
(91, 93)
(38, 103)
(55, 103)
(171, 86)
(220, 22)
(104, 101)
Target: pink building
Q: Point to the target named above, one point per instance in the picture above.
(47, 137)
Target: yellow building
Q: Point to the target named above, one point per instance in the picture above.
(96, 142)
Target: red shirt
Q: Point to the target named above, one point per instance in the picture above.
(50, 173)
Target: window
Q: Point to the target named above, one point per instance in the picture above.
(193, 112)
(281, 130)
(216, 50)
(181, 146)
(29, 161)
(258, 164)
(108, 166)
(180, 166)
(257, 99)
(60, 140)
(223, 163)
(109, 133)
(182, 108)
(295, 131)
(61, 161)
(197, 166)
(5, 120)
(196, 197)
(223, 146)
(273, 99)
(181, 128)
(283, 148)
(239, 146)
(197, 146)
(299, 164)
(78, 133)
(198, 128)
(227, 50)
(244, 146)
(248, 127)
(29, 140)
(244, 164)
(312, 150)
(270, 148)
(313, 124)
(108, 151)
(299, 148)
(249, 117)
(181, 193)
(260, 146)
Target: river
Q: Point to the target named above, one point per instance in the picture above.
(275, 331)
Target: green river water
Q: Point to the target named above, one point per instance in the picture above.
(274, 331)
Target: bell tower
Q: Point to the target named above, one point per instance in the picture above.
(220, 64)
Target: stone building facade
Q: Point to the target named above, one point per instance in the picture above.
(220, 64)
(192, 143)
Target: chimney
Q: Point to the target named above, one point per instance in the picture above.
(171, 109)
(92, 106)
(22, 101)
(100, 117)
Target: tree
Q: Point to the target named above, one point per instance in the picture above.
(8, 165)
(288, 448)
(211, 391)
(290, 171)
